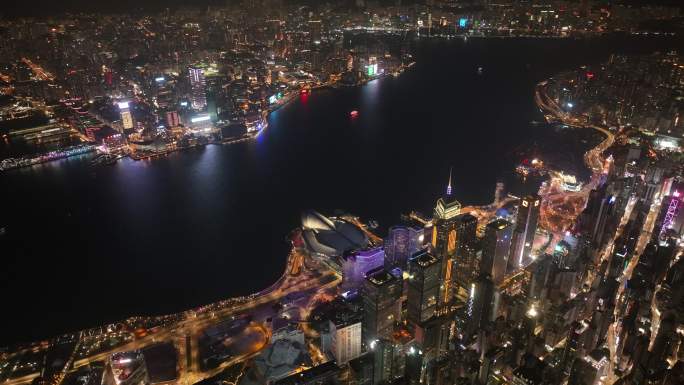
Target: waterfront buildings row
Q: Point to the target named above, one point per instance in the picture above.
(154, 83)
(643, 92)
(176, 78)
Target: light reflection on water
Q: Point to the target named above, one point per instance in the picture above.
(166, 234)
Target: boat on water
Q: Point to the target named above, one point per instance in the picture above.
(480, 70)
(104, 159)
(354, 114)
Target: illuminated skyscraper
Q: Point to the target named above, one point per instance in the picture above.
(198, 88)
(478, 308)
(126, 117)
(669, 220)
(590, 369)
(423, 287)
(400, 244)
(381, 306)
(346, 340)
(357, 264)
(495, 249)
(172, 119)
(445, 241)
(465, 264)
(525, 229)
(383, 360)
(315, 31)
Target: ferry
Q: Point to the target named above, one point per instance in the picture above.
(354, 114)
(104, 159)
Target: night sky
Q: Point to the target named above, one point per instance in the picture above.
(19, 8)
(47, 7)
(41, 8)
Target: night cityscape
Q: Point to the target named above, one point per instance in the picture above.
(342, 192)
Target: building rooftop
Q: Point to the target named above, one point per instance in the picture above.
(499, 224)
(447, 207)
(327, 369)
(424, 259)
(380, 277)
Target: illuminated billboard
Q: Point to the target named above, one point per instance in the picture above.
(123, 105)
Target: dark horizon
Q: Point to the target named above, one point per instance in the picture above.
(46, 8)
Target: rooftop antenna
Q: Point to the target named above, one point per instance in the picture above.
(449, 185)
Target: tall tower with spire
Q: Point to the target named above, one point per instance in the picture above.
(445, 241)
(447, 206)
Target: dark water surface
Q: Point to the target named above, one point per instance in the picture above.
(87, 246)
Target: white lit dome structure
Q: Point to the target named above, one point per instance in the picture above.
(331, 236)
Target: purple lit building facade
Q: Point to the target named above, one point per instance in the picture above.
(401, 243)
(356, 265)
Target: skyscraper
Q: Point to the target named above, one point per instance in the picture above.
(383, 361)
(315, 31)
(599, 206)
(445, 240)
(126, 117)
(346, 340)
(479, 307)
(495, 249)
(172, 119)
(590, 369)
(465, 265)
(400, 244)
(423, 287)
(381, 306)
(433, 336)
(525, 229)
(669, 219)
(198, 88)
